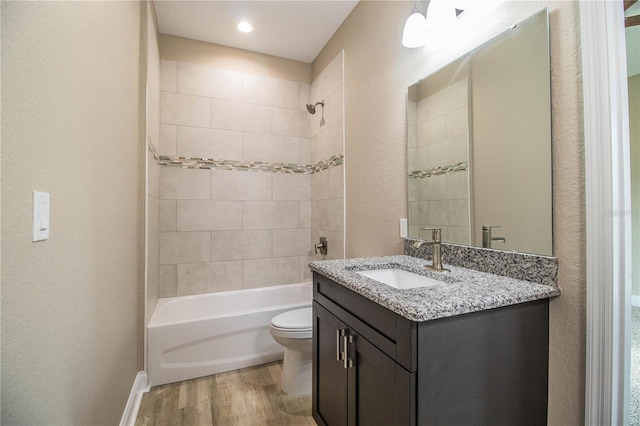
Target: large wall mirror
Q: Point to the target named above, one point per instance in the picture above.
(479, 145)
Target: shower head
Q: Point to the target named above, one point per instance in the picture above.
(312, 108)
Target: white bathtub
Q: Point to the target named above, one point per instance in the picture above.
(195, 336)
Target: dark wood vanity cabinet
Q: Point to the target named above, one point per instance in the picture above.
(374, 367)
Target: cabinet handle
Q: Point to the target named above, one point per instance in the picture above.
(339, 353)
(346, 339)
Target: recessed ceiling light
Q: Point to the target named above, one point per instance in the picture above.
(245, 27)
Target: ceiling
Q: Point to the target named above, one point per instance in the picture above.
(294, 29)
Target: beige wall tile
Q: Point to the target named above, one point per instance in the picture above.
(423, 213)
(320, 188)
(458, 95)
(226, 245)
(304, 96)
(305, 272)
(198, 278)
(267, 272)
(290, 122)
(460, 235)
(330, 214)
(185, 110)
(226, 114)
(459, 149)
(167, 145)
(432, 131)
(271, 91)
(291, 186)
(211, 82)
(257, 118)
(209, 215)
(231, 115)
(412, 210)
(179, 184)
(291, 242)
(329, 142)
(240, 185)
(153, 246)
(271, 214)
(270, 148)
(168, 76)
(449, 212)
(184, 247)
(305, 151)
(305, 214)
(412, 135)
(457, 185)
(209, 143)
(334, 108)
(412, 159)
(413, 188)
(457, 123)
(336, 181)
(168, 281)
(168, 216)
(257, 244)
(432, 188)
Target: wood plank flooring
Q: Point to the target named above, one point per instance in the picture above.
(247, 397)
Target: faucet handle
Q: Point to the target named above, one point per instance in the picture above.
(490, 227)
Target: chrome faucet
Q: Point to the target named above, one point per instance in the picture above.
(487, 238)
(436, 249)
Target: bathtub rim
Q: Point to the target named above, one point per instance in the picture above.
(154, 322)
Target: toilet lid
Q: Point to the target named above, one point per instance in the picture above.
(298, 319)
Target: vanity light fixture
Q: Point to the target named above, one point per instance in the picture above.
(245, 27)
(415, 29)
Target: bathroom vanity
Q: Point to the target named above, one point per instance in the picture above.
(470, 349)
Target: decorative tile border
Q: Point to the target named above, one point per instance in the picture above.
(254, 166)
(522, 266)
(420, 174)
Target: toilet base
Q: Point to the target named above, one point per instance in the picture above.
(296, 372)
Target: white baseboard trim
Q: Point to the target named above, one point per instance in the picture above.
(140, 386)
(635, 300)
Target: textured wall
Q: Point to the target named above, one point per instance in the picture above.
(378, 71)
(69, 127)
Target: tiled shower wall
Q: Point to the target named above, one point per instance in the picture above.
(327, 194)
(438, 136)
(228, 229)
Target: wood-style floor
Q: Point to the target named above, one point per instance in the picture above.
(246, 397)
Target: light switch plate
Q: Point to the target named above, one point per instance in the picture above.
(40, 216)
(403, 228)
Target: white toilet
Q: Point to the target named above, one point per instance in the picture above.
(293, 330)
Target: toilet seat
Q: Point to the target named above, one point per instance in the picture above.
(296, 324)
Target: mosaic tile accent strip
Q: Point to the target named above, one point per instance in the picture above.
(420, 174)
(522, 266)
(252, 166)
(461, 290)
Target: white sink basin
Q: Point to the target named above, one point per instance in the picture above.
(400, 279)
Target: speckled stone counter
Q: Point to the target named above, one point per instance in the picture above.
(462, 290)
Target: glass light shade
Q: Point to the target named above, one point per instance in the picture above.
(415, 30)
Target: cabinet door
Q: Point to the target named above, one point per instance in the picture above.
(329, 374)
(381, 392)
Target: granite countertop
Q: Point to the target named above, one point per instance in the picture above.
(462, 290)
